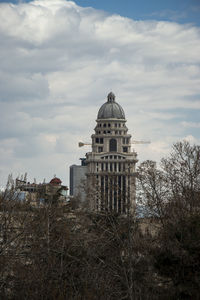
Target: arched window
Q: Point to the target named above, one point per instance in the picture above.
(113, 145)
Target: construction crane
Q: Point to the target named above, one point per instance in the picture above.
(140, 142)
(81, 144)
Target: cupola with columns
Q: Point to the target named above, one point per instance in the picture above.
(111, 164)
(111, 133)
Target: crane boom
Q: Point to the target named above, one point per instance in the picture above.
(81, 144)
(140, 142)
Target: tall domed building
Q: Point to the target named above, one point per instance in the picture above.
(111, 164)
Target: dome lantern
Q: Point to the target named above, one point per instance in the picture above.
(111, 97)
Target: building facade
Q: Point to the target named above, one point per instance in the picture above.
(111, 175)
(41, 193)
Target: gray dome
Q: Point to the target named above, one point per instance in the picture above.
(111, 109)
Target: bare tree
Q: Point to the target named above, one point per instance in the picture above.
(58, 252)
(171, 195)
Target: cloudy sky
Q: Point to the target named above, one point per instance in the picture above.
(59, 59)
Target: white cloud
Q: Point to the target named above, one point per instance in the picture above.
(191, 124)
(59, 61)
(191, 139)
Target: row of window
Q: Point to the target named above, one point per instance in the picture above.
(111, 167)
(100, 140)
(109, 132)
(125, 149)
(109, 125)
(112, 157)
(112, 145)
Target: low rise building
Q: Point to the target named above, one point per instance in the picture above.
(40, 193)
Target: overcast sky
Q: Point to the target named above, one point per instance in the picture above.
(58, 61)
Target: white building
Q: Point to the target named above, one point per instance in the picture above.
(111, 164)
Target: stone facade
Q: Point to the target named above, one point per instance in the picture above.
(111, 171)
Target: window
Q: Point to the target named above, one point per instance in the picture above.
(104, 132)
(126, 141)
(100, 125)
(116, 132)
(108, 131)
(100, 149)
(97, 140)
(125, 149)
(101, 141)
(113, 145)
(119, 125)
(104, 125)
(115, 124)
